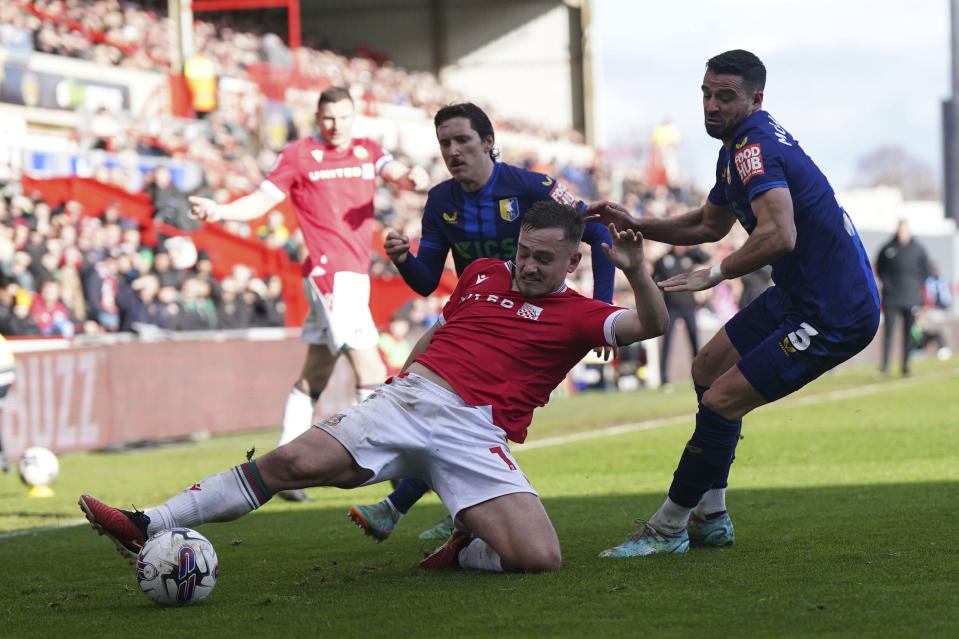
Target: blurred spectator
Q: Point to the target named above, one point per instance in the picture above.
(754, 283)
(682, 304)
(933, 320)
(163, 269)
(197, 312)
(269, 309)
(200, 76)
(902, 267)
(8, 294)
(50, 314)
(138, 304)
(232, 310)
(395, 343)
(170, 205)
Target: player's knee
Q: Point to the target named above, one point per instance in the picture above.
(537, 559)
(286, 464)
(720, 402)
(702, 370)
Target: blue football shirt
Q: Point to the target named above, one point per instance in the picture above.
(828, 272)
(486, 223)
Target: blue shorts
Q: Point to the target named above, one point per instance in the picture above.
(783, 347)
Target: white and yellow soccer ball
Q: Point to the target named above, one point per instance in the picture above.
(177, 567)
(38, 466)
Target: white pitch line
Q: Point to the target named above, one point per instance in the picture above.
(649, 424)
(815, 398)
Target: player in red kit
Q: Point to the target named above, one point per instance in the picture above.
(444, 419)
(330, 179)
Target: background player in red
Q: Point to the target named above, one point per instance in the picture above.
(444, 419)
(331, 179)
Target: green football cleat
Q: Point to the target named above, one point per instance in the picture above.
(442, 530)
(711, 532)
(377, 520)
(648, 541)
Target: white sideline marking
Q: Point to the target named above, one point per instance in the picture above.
(816, 398)
(649, 424)
(32, 531)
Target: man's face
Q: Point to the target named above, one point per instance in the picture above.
(543, 259)
(335, 122)
(726, 104)
(465, 154)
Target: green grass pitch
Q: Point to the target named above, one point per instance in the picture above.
(845, 499)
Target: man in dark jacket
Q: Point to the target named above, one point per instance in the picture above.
(681, 304)
(902, 267)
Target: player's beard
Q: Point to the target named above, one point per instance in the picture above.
(726, 129)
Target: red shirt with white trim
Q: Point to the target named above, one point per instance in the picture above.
(497, 348)
(332, 195)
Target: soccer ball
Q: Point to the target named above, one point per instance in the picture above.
(177, 567)
(38, 466)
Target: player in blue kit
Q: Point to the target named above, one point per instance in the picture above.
(823, 309)
(477, 213)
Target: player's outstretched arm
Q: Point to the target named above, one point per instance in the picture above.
(773, 237)
(650, 318)
(708, 223)
(248, 207)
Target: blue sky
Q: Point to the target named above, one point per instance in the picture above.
(844, 76)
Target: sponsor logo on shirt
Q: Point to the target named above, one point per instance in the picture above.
(529, 311)
(742, 144)
(365, 172)
(450, 218)
(360, 152)
(480, 279)
(509, 209)
(317, 154)
(547, 180)
(749, 162)
(562, 195)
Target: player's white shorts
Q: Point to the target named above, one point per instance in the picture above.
(413, 428)
(341, 319)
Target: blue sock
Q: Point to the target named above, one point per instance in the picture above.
(407, 493)
(723, 481)
(700, 391)
(706, 458)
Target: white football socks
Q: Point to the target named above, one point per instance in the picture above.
(297, 415)
(478, 555)
(222, 497)
(714, 501)
(671, 518)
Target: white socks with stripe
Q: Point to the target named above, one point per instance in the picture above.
(222, 497)
(297, 415)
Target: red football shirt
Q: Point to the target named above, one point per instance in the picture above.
(332, 195)
(498, 348)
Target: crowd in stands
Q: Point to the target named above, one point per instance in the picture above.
(64, 273)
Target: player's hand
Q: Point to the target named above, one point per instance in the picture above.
(627, 251)
(204, 208)
(609, 213)
(693, 281)
(397, 246)
(419, 178)
(606, 352)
